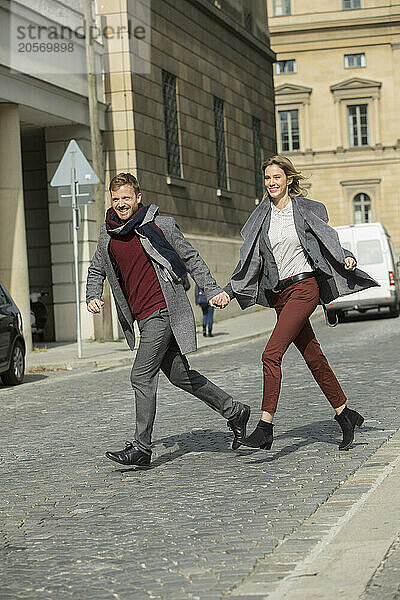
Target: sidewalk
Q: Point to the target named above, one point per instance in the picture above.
(342, 549)
(56, 356)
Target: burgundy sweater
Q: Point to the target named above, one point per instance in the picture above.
(138, 274)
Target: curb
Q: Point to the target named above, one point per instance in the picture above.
(80, 364)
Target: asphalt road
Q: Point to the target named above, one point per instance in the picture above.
(194, 526)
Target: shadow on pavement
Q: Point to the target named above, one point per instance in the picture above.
(215, 334)
(200, 440)
(206, 440)
(28, 378)
(319, 431)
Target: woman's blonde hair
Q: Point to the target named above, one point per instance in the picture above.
(295, 189)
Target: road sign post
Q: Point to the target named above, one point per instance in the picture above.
(75, 227)
(72, 172)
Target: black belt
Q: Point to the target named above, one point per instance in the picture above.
(285, 283)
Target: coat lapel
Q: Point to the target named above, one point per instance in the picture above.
(265, 228)
(324, 232)
(252, 228)
(299, 223)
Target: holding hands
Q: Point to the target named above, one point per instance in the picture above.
(349, 264)
(221, 300)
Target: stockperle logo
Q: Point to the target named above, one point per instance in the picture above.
(56, 43)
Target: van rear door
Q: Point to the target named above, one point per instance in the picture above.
(369, 245)
(373, 255)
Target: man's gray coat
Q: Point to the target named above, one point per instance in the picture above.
(180, 311)
(256, 274)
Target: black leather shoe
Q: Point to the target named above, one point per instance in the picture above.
(262, 437)
(348, 419)
(238, 426)
(130, 455)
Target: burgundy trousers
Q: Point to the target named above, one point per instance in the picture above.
(294, 306)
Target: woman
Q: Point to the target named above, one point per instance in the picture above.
(290, 258)
(207, 309)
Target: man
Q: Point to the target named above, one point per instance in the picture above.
(146, 258)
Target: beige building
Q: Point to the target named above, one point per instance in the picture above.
(185, 94)
(337, 84)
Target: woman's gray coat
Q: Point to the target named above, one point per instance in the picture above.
(180, 311)
(256, 273)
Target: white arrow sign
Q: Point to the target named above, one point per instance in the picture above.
(72, 172)
(74, 159)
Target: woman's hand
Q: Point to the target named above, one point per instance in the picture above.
(220, 300)
(349, 263)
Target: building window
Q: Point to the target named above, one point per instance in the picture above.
(358, 125)
(289, 130)
(248, 20)
(281, 8)
(351, 4)
(362, 209)
(257, 146)
(286, 66)
(219, 123)
(171, 124)
(354, 61)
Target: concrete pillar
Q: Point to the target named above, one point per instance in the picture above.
(13, 248)
(308, 142)
(339, 124)
(376, 117)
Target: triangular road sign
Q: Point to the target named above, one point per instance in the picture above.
(74, 159)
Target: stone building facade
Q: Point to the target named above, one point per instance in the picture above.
(336, 87)
(210, 76)
(191, 114)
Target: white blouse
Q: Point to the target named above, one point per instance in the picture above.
(288, 252)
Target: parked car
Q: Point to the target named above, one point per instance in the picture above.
(373, 249)
(12, 344)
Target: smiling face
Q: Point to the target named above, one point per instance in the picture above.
(125, 202)
(276, 182)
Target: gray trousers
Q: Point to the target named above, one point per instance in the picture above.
(158, 350)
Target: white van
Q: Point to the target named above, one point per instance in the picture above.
(371, 245)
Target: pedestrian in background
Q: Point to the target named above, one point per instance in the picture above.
(208, 311)
(290, 258)
(146, 259)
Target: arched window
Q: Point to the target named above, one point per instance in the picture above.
(362, 208)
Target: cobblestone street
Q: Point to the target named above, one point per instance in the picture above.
(197, 523)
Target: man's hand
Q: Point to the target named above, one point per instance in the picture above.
(220, 300)
(94, 306)
(349, 263)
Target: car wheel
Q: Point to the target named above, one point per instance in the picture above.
(15, 373)
(394, 310)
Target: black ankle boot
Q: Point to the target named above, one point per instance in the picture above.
(347, 420)
(204, 332)
(261, 437)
